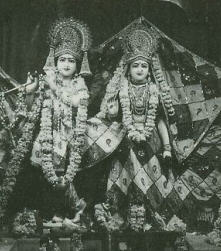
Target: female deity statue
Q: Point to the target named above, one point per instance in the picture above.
(137, 96)
(54, 128)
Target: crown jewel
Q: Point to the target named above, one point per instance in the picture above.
(69, 36)
(140, 42)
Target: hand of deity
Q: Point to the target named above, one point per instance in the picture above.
(166, 154)
(50, 79)
(112, 106)
(32, 83)
(94, 121)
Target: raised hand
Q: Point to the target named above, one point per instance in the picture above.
(32, 82)
(30, 78)
(112, 106)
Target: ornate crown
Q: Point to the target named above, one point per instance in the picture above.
(68, 36)
(140, 42)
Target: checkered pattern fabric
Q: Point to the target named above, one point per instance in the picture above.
(194, 86)
(133, 180)
(139, 174)
(101, 140)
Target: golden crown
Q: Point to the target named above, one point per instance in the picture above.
(140, 42)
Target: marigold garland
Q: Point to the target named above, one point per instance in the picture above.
(164, 87)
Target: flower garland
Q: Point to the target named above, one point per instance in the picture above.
(136, 217)
(165, 89)
(19, 113)
(128, 121)
(76, 144)
(165, 94)
(25, 223)
(113, 87)
(22, 148)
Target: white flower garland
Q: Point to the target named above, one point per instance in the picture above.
(120, 83)
(76, 144)
(136, 217)
(113, 87)
(164, 87)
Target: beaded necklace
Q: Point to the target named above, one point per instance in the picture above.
(128, 119)
(139, 98)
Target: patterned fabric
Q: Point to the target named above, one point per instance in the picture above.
(196, 98)
(101, 140)
(194, 85)
(62, 131)
(140, 177)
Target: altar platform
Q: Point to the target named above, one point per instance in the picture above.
(150, 241)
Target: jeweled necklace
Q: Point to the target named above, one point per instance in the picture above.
(128, 120)
(139, 98)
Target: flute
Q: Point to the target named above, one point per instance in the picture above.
(35, 75)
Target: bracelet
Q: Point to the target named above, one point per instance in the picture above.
(167, 147)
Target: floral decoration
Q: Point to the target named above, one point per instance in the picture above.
(76, 143)
(25, 223)
(19, 153)
(136, 217)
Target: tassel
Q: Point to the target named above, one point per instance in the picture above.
(49, 65)
(85, 69)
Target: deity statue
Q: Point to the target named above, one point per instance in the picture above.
(136, 97)
(156, 109)
(60, 107)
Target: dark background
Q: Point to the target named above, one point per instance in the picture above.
(24, 25)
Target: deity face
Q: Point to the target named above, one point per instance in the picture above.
(66, 65)
(139, 70)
